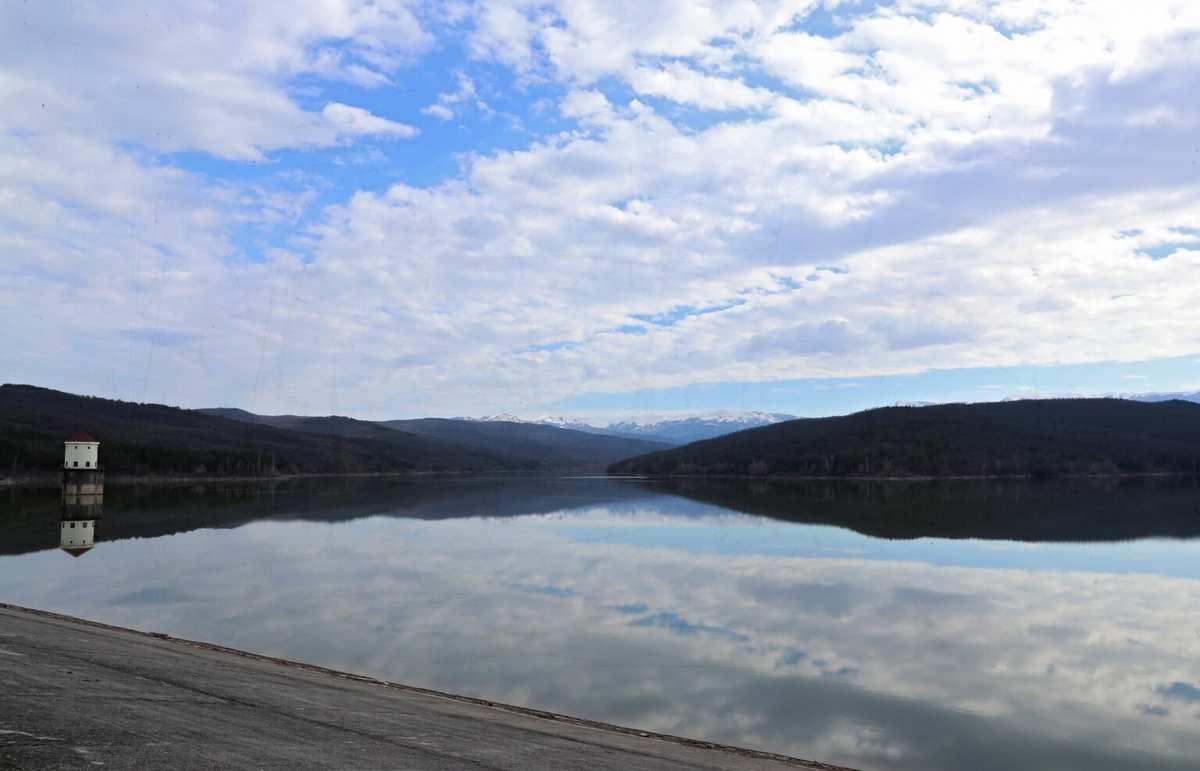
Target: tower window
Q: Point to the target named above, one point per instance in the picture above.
(76, 463)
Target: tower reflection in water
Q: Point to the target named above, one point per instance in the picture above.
(82, 494)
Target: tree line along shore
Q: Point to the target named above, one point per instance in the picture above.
(1055, 437)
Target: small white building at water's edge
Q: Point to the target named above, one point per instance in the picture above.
(83, 494)
(82, 451)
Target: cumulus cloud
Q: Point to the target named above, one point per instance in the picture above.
(212, 78)
(774, 190)
(355, 121)
(682, 84)
(449, 101)
(438, 111)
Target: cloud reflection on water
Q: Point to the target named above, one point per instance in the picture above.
(875, 663)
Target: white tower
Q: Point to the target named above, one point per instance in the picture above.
(83, 494)
(81, 452)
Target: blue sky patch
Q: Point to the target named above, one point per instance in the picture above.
(820, 21)
(561, 345)
(787, 282)
(1162, 251)
(822, 397)
(675, 315)
(1181, 691)
(678, 624)
(552, 591)
(791, 658)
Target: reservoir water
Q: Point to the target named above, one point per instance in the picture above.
(1048, 625)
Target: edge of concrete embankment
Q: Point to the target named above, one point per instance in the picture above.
(543, 721)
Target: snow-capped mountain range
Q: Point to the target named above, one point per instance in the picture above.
(675, 430)
(1159, 396)
(1187, 396)
(693, 428)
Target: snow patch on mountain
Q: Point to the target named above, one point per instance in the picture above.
(682, 430)
(675, 429)
(561, 422)
(1158, 396)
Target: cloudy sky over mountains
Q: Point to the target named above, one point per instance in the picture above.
(393, 209)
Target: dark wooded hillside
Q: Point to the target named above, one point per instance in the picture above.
(550, 445)
(1036, 437)
(540, 446)
(158, 439)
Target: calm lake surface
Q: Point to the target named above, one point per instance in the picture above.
(882, 626)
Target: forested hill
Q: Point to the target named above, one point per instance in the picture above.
(549, 445)
(545, 447)
(157, 439)
(1043, 437)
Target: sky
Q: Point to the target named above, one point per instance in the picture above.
(598, 209)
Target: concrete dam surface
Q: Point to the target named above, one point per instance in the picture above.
(81, 695)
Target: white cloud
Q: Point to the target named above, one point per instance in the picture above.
(582, 42)
(449, 101)
(682, 84)
(972, 170)
(586, 106)
(440, 111)
(355, 121)
(211, 78)
(582, 232)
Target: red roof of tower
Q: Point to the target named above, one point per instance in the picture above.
(76, 551)
(82, 437)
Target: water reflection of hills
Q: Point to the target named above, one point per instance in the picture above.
(29, 517)
(1109, 509)
(1051, 510)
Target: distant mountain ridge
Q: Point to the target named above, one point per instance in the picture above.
(548, 444)
(1026, 396)
(701, 427)
(1154, 396)
(1020, 438)
(157, 439)
(161, 440)
(531, 446)
(673, 430)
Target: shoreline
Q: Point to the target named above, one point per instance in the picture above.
(54, 479)
(915, 478)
